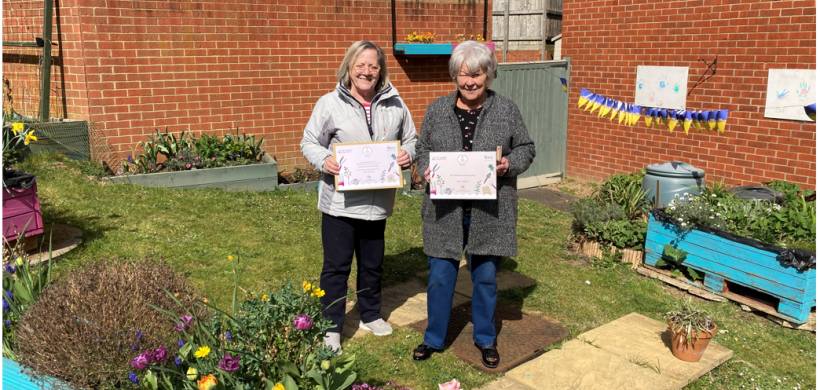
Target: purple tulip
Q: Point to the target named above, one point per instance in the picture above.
(184, 323)
(133, 377)
(160, 354)
(302, 322)
(228, 363)
(142, 360)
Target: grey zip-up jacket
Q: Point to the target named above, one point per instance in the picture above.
(339, 117)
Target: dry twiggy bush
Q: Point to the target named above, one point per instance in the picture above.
(84, 328)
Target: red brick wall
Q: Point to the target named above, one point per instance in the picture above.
(133, 66)
(607, 40)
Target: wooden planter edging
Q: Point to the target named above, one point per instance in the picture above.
(593, 249)
(21, 208)
(724, 261)
(254, 177)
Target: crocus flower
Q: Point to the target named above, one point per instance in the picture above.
(207, 382)
(10, 268)
(160, 354)
(192, 373)
(302, 322)
(133, 377)
(228, 336)
(184, 323)
(142, 360)
(228, 363)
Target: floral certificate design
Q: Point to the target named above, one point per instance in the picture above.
(368, 165)
(462, 175)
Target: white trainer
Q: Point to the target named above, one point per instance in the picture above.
(334, 340)
(378, 327)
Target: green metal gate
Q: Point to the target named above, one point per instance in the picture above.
(537, 90)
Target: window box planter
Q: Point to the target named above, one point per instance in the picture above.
(254, 177)
(793, 292)
(430, 48)
(21, 207)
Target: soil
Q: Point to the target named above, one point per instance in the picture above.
(299, 176)
(576, 187)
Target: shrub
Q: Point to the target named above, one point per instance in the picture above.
(87, 327)
(587, 212)
(625, 189)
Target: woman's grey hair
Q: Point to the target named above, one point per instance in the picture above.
(343, 74)
(477, 56)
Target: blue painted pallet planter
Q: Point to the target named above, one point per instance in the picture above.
(725, 260)
(14, 378)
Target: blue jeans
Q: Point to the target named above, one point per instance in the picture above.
(440, 289)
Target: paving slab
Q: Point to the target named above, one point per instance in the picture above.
(580, 366)
(636, 337)
(505, 384)
(555, 199)
(402, 305)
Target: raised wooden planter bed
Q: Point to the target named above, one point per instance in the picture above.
(739, 272)
(21, 208)
(254, 177)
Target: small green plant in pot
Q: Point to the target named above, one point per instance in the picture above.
(690, 329)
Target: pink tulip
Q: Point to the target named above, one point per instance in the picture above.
(188, 166)
(213, 158)
(451, 385)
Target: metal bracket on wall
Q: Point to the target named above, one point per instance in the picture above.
(701, 80)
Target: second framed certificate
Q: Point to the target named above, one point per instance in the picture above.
(462, 175)
(368, 165)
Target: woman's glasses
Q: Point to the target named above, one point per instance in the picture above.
(361, 68)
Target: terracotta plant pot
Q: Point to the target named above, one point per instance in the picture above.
(690, 352)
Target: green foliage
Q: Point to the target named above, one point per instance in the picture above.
(90, 167)
(187, 159)
(587, 211)
(621, 233)
(625, 190)
(13, 146)
(674, 258)
(714, 192)
(691, 320)
(690, 210)
(22, 285)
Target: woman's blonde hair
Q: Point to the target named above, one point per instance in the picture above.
(356, 49)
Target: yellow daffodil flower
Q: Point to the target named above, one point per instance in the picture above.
(30, 137)
(207, 382)
(202, 352)
(318, 293)
(192, 374)
(17, 127)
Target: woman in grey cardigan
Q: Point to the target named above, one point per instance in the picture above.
(471, 119)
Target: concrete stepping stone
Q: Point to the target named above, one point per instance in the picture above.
(402, 305)
(607, 358)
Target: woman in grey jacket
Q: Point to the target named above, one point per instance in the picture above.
(471, 119)
(364, 107)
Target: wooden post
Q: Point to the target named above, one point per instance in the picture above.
(506, 30)
(544, 25)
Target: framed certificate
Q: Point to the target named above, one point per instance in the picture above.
(462, 175)
(368, 165)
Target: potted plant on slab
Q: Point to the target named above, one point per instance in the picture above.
(690, 329)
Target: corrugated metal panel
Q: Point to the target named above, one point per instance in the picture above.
(536, 88)
(14, 379)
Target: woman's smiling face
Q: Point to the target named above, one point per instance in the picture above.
(471, 85)
(365, 71)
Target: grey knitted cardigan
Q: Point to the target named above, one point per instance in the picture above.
(493, 222)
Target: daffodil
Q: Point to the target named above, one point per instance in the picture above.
(17, 127)
(30, 137)
(279, 386)
(318, 293)
(202, 352)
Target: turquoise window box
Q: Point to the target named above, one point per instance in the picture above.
(13, 377)
(427, 49)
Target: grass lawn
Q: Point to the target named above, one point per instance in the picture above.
(280, 232)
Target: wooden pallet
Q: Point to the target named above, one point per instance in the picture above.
(737, 271)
